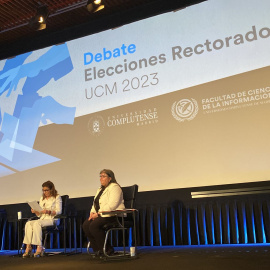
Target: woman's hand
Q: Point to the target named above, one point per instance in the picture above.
(48, 212)
(90, 217)
(44, 211)
(93, 216)
(35, 212)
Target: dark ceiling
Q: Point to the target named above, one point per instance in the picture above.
(69, 19)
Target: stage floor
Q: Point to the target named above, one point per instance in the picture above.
(210, 257)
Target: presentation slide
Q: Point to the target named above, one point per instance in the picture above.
(174, 101)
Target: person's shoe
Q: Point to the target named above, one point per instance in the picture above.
(94, 255)
(97, 255)
(27, 253)
(39, 252)
(110, 251)
(100, 255)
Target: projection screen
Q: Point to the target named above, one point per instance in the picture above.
(173, 101)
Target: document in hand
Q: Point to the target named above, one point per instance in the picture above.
(34, 205)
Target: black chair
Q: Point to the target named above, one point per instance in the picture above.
(126, 220)
(56, 229)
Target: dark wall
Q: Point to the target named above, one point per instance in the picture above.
(228, 214)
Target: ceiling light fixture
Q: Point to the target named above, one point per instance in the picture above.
(38, 22)
(94, 5)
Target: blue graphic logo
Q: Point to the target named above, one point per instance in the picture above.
(19, 129)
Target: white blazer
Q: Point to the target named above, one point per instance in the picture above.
(52, 204)
(111, 199)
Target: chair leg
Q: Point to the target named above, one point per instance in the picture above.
(44, 242)
(88, 247)
(120, 254)
(65, 240)
(134, 231)
(105, 243)
(21, 249)
(124, 237)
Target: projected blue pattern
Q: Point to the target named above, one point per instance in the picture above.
(19, 130)
(159, 225)
(188, 227)
(236, 225)
(212, 225)
(253, 225)
(173, 226)
(220, 223)
(262, 224)
(244, 216)
(5, 171)
(230, 222)
(204, 225)
(196, 225)
(156, 222)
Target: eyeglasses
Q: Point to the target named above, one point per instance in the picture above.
(103, 176)
(44, 190)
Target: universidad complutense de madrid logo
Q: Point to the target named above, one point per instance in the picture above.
(184, 109)
(96, 125)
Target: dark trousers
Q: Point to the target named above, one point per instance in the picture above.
(93, 229)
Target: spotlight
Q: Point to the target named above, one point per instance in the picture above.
(38, 22)
(94, 5)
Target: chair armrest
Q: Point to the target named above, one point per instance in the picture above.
(60, 216)
(35, 217)
(119, 212)
(32, 218)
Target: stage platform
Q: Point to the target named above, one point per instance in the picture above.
(208, 257)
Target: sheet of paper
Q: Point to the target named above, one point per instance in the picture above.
(34, 205)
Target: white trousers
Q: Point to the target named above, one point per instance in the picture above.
(33, 231)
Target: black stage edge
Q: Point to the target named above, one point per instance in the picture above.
(211, 257)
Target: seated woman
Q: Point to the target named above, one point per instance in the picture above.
(109, 197)
(51, 203)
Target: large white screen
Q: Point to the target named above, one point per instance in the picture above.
(177, 100)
